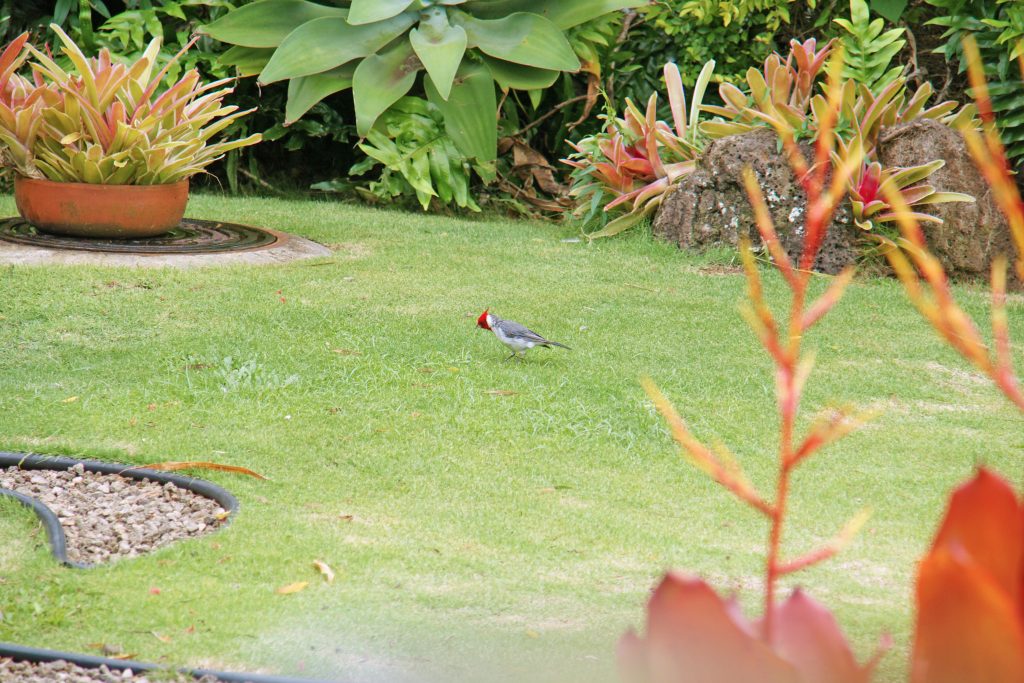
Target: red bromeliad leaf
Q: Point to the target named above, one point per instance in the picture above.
(984, 519)
(970, 590)
(807, 636)
(177, 466)
(693, 636)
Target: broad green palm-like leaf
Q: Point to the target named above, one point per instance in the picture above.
(470, 112)
(248, 61)
(305, 91)
(563, 13)
(369, 11)
(328, 42)
(521, 38)
(440, 46)
(380, 80)
(267, 22)
(518, 77)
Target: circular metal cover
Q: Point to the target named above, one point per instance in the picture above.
(192, 236)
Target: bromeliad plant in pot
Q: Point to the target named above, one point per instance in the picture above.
(100, 148)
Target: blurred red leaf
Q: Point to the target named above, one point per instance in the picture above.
(970, 589)
(808, 636)
(693, 636)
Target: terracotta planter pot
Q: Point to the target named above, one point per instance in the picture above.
(108, 211)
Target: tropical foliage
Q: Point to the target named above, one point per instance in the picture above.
(692, 633)
(378, 47)
(970, 606)
(109, 123)
(637, 157)
(781, 95)
(417, 157)
(869, 49)
(998, 28)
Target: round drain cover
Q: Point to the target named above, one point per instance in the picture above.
(190, 237)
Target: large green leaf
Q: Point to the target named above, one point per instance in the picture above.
(323, 44)
(369, 11)
(521, 38)
(266, 23)
(249, 61)
(470, 112)
(564, 13)
(305, 91)
(518, 77)
(380, 80)
(441, 51)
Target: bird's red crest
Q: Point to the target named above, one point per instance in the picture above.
(482, 320)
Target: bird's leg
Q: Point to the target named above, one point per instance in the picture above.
(514, 355)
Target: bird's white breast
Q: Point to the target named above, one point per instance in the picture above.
(517, 343)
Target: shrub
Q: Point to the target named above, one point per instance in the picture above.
(102, 122)
(636, 158)
(998, 28)
(377, 48)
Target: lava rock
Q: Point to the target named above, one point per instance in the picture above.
(971, 235)
(710, 206)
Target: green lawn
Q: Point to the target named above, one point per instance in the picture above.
(476, 533)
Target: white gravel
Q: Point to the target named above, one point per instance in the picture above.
(65, 672)
(107, 517)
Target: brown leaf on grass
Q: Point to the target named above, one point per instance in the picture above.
(501, 392)
(175, 466)
(161, 638)
(347, 352)
(70, 399)
(325, 570)
(292, 588)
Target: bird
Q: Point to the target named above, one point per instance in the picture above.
(513, 335)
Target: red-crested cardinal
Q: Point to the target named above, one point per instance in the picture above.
(513, 335)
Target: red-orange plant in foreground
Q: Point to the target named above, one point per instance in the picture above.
(970, 586)
(970, 590)
(692, 634)
(925, 279)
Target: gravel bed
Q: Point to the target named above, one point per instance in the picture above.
(107, 517)
(48, 672)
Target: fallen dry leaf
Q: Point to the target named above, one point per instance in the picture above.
(324, 569)
(347, 352)
(175, 466)
(162, 639)
(292, 588)
(70, 399)
(501, 392)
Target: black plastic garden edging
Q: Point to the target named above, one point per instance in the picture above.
(55, 532)
(30, 654)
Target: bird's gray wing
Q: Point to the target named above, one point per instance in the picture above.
(514, 329)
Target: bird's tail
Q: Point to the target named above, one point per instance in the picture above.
(548, 342)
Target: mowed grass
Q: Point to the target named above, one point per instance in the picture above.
(486, 520)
